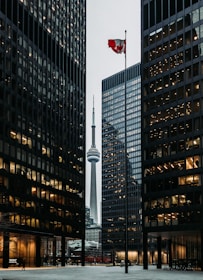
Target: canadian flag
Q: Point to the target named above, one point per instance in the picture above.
(117, 45)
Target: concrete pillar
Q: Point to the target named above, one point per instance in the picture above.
(5, 249)
(159, 251)
(54, 251)
(38, 255)
(201, 264)
(170, 253)
(63, 246)
(145, 249)
(83, 252)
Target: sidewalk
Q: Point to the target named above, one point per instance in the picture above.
(97, 273)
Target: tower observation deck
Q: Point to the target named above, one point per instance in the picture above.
(93, 157)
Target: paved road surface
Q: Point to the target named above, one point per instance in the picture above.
(97, 273)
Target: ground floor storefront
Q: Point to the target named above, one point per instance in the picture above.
(17, 249)
(180, 250)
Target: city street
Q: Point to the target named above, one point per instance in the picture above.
(97, 273)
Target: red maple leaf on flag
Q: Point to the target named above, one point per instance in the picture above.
(117, 45)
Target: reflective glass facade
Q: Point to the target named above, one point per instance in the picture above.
(42, 125)
(114, 161)
(172, 77)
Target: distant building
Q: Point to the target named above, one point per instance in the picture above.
(114, 163)
(88, 220)
(92, 250)
(92, 233)
(42, 127)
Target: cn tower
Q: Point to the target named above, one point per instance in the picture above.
(93, 156)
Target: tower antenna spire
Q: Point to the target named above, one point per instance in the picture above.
(93, 116)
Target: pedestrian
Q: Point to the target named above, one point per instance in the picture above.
(23, 264)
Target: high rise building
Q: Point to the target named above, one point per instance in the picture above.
(42, 127)
(114, 171)
(172, 77)
(93, 156)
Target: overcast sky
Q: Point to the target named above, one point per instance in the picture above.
(107, 19)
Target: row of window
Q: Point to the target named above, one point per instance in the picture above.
(42, 178)
(30, 18)
(177, 200)
(173, 219)
(189, 51)
(173, 130)
(171, 95)
(174, 79)
(170, 183)
(172, 148)
(183, 164)
(159, 10)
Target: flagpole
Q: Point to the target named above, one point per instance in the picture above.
(126, 167)
(119, 46)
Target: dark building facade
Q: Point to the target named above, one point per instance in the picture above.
(114, 194)
(42, 127)
(172, 124)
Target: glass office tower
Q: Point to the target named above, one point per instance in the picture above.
(114, 159)
(42, 128)
(172, 114)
